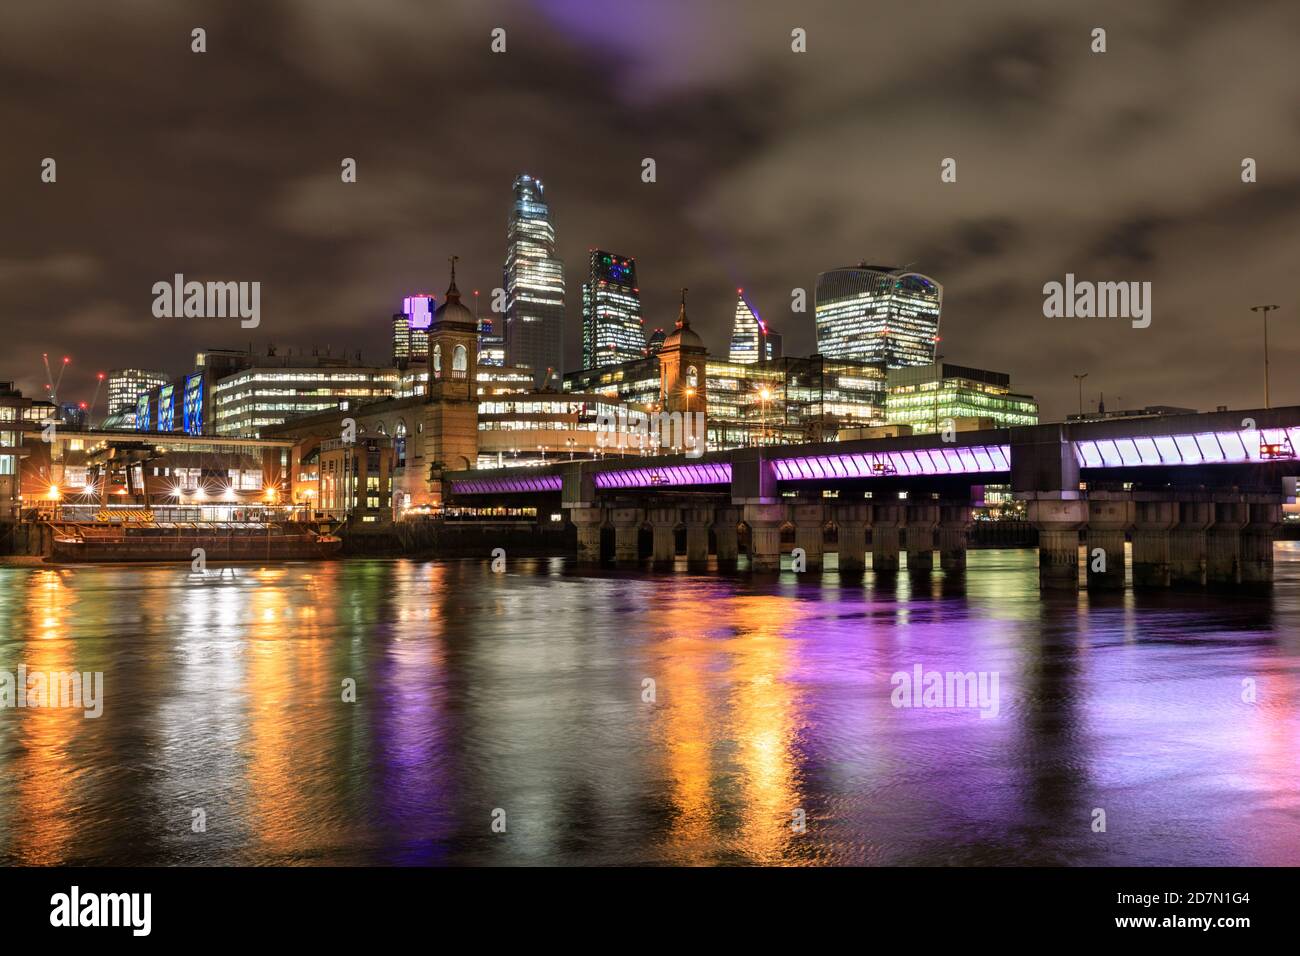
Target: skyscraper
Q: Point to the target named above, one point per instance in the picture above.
(611, 311)
(878, 314)
(751, 339)
(534, 285)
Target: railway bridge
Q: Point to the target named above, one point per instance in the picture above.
(1200, 495)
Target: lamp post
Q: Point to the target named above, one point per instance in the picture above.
(1265, 309)
(938, 388)
(1079, 379)
(764, 396)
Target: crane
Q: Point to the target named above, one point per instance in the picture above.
(90, 413)
(52, 383)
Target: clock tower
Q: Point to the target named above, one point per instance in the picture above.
(683, 360)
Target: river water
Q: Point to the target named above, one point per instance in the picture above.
(635, 718)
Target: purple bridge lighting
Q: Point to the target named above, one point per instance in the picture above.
(1251, 449)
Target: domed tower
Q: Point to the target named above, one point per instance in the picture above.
(453, 347)
(683, 360)
(450, 428)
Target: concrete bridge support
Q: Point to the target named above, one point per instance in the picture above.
(1187, 543)
(726, 536)
(1153, 521)
(1223, 540)
(627, 523)
(1257, 541)
(697, 520)
(810, 531)
(765, 536)
(922, 519)
(853, 521)
(589, 521)
(663, 522)
(1110, 515)
(887, 518)
(1058, 521)
(954, 531)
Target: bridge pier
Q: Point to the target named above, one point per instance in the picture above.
(765, 522)
(1223, 540)
(1257, 540)
(922, 519)
(1153, 520)
(663, 523)
(697, 519)
(810, 531)
(726, 536)
(589, 520)
(1058, 521)
(853, 521)
(954, 532)
(886, 520)
(1110, 514)
(1187, 543)
(627, 523)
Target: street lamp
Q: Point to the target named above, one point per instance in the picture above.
(938, 388)
(764, 396)
(1266, 309)
(1079, 379)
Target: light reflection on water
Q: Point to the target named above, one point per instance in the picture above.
(524, 691)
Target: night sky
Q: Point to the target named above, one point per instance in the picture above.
(772, 166)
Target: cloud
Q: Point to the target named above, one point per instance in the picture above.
(773, 166)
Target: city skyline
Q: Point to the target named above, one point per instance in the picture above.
(754, 185)
(575, 436)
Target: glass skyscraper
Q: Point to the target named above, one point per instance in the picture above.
(878, 314)
(534, 285)
(751, 339)
(612, 330)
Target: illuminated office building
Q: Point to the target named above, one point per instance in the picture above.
(779, 401)
(538, 428)
(126, 384)
(878, 314)
(21, 422)
(655, 342)
(411, 328)
(751, 339)
(534, 286)
(274, 388)
(611, 312)
(928, 401)
(491, 347)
